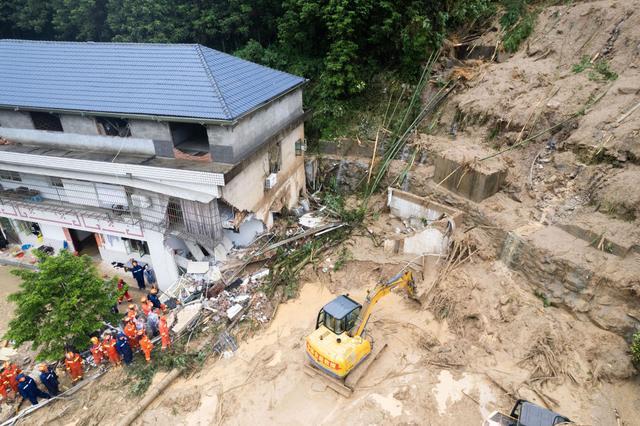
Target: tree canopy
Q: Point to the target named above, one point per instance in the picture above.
(63, 302)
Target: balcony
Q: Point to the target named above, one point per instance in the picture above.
(98, 207)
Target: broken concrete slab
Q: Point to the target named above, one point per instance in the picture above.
(406, 205)
(460, 170)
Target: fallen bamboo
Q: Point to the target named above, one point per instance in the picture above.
(149, 398)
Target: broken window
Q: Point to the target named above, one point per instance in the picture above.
(190, 138)
(275, 158)
(9, 175)
(46, 121)
(136, 246)
(301, 147)
(112, 126)
(56, 182)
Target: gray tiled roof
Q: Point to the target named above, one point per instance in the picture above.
(175, 80)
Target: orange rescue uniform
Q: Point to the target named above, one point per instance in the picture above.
(74, 367)
(131, 333)
(11, 373)
(164, 334)
(98, 353)
(109, 346)
(146, 345)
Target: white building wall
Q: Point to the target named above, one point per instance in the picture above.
(52, 225)
(246, 190)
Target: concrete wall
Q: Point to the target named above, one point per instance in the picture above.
(230, 144)
(79, 141)
(15, 119)
(246, 190)
(112, 249)
(147, 129)
(79, 124)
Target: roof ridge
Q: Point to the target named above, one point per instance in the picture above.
(214, 83)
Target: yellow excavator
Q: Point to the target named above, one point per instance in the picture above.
(339, 350)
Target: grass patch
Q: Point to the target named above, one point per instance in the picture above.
(543, 297)
(635, 348)
(598, 71)
(518, 22)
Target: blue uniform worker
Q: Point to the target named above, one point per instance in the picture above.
(49, 379)
(123, 348)
(138, 274)
(153, 298)
(29, 389)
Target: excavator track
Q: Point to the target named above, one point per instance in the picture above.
(360, 370)
(347, 386)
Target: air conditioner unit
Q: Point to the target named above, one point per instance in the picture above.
(271, 181)
(141, 201)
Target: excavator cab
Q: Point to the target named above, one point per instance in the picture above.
(339, 315)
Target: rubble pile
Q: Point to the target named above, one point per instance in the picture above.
(242, 297)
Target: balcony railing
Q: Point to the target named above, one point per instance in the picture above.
(197, 221)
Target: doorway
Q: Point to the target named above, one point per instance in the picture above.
(84, 242)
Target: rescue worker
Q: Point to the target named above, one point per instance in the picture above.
(96, 350)
(109, 345)
(138, 274)
(29, 389)
(131, 332)
(4, 385)
(73, 362)
(152, 322)
(164, 333)
(146, 345)
(153, 298)
(125, 295)
(132, 312)
(11, 372)
(49, 379)
(140, 329)
(124, 349)
(146, 306)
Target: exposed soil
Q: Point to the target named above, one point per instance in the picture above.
(541, 309)
(9, 284)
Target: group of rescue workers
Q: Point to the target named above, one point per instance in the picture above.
(139, 326)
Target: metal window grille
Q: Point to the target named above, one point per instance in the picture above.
(197, 221)
(10, 176)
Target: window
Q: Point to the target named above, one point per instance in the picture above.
(113, 127)
(190, 138)
(352, 317)
(275, 158)
(12, 176)
(46, 121)
(301, 147)
(136, 246)
(56, 182)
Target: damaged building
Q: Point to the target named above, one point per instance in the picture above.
(160, 152)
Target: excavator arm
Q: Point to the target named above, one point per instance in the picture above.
(403, 280)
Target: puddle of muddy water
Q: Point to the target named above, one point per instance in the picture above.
(449, 391)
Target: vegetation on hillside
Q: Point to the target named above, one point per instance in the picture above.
(64, 302)
(351, 50)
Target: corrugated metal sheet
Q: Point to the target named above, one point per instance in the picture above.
(181, 80)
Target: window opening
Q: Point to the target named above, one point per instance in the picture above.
(112, 126)
(275, 158)
(136, 246)
(190, 138)
(46, 121)
(9, 175)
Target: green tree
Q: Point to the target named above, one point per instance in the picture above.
(63, 302)
(80, 20)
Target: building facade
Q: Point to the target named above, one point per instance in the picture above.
(162, 153)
